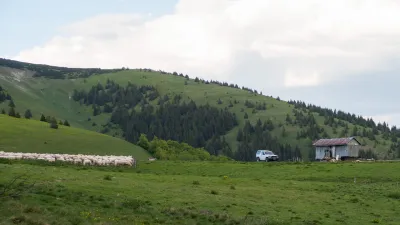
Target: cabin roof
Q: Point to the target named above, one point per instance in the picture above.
(334, 141)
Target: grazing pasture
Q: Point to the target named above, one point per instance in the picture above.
(95, 160)
(167, 192)
(23, 135)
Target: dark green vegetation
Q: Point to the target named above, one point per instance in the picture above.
(173, 150)
(54, 72)
(23, 135)
(4, 95)
(223, 118)
(130, 108)
(167, 192)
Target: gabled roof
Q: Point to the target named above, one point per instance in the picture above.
(334, 141)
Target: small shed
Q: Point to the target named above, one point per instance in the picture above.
(342, 147)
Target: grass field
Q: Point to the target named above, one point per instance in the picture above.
(51, 97)
(205, 193)
(23, 135)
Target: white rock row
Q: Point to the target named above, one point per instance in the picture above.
(108, 160)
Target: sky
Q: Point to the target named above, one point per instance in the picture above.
(342, 54)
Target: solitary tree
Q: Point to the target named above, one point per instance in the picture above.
(28, 114)
(11, 112)
(53, 123)
(3, 111)
(42, 118)
(66, 123)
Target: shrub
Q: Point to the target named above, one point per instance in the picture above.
(18, 219)
(66, 123)
(54, 125)
(107, 177)
(394, 195)
(28, 114)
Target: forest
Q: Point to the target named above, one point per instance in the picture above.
(55, 72)
(171, 118)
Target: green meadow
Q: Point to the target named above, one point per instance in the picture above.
(167, 192)
(24, 135)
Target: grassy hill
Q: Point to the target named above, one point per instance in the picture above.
(204, 193)
(42, 94)
(23, 135)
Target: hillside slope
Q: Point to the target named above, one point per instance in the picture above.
(294, 126)
(24, 135)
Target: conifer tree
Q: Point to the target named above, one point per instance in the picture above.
(11, 104)
(28, 114)
(66, 123)
(42, 118)
(11, 112)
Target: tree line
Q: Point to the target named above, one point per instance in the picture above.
(55, 72)
(184, 122)
(174, 150)
(106, 98)
(254, 137)
(28, 113)
(203, 81)
(340, 116)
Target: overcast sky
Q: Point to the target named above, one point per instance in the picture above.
(342, 54)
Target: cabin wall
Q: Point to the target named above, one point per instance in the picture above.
(341, 151)
(353, 148)
(320, 152)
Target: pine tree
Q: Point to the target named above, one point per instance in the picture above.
(11, 104)
(283, 132)
(11, 112)
(239, 136)
(66, 123)
(246, 116)
(96, 110)
(17, 115)
(42, 118)
(28, 114)
(53, 123)
(3, 111)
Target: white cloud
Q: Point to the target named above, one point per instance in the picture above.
(310, 42)
(293, 79)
